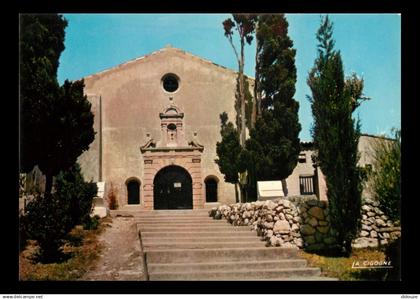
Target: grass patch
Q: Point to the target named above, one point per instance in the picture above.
(341, 267)
(81, 250)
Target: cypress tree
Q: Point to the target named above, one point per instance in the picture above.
(274, 145)
(336, 134)
(56, 122)
(228, 150)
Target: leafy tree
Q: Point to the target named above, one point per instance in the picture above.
(336, 136)
(274, 145)
(56, 122)
(245, 26)
(228, 150)
(386, 174)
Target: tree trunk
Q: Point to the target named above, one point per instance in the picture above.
(255, 103)
(236, 193)
(242, 189)
(347, 248)
(48, 184)
(284, 187)
(242, 95)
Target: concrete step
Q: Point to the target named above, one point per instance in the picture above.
(195, 234)
(199, 238)
(187, 227)
(178, 219)
(152, 245)
(237, 275)
(295, 278)
(219, 255)
(176, 216)
(183, 223)
(170, 228)
(160, 212)
(226, 266)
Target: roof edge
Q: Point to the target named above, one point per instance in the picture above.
(160, 51)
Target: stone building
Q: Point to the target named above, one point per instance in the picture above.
(157, 123)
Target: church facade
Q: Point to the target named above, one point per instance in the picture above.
(157, 123)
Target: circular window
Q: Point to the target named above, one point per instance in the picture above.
(170, 83)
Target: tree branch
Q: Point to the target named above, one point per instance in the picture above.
(234, 49)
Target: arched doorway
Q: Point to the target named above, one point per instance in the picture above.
(172, 189)
(133, 192)
(211, 189)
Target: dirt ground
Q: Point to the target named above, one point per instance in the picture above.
(121, 257)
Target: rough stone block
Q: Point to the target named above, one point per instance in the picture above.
(310, 239)
(323, 229)
(364, 233)
(307, 230)
(281, 226)
(317, 212)
(313, 222)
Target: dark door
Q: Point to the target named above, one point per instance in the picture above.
(211, 190)
(133, 192)
(172, 189)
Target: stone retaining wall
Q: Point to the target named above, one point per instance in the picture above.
(303, 222)
(377, 228)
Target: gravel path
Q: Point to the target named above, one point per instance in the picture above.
(121, 257)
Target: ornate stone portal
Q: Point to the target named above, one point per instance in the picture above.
(172, 150)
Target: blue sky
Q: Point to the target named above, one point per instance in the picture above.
(370, 45)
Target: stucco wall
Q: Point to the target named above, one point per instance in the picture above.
(132, 98)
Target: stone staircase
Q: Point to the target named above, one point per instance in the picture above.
(189, 245)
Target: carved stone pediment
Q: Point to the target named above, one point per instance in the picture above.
(171, 111)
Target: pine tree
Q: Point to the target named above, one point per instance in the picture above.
(336, 136)
(274, 144)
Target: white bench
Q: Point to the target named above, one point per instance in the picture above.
(269, 189)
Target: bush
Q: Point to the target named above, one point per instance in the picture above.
(386, 175)
(91, 223)
(76, 194)
(47, 221)
(23, 238)
(393, 254)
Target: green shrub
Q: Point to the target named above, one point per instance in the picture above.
(386, 175)
(47, 221)
(393, 254)
(91, 223)
(23, 237)
(76, 194)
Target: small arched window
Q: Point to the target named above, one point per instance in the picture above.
(133, 192)
(211, 190)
